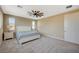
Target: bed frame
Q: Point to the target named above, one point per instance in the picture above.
(28, 39)
(22, 38)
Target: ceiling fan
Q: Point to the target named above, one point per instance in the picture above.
(36, 13)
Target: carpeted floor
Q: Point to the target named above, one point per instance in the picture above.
(42, 45)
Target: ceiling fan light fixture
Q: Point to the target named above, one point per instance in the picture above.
(36, 13)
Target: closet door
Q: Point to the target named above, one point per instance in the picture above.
(71, 27)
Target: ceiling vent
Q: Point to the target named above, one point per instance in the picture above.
(69, 6)
(19, 6)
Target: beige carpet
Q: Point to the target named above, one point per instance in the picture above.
(42, 45)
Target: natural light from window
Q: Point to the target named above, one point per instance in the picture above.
(33, 25)
(11, 23)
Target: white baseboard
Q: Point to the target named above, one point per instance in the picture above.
(51, 36)
(55, 37)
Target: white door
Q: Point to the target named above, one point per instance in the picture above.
(71, 27)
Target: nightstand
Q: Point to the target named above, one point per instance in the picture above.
(8, 35)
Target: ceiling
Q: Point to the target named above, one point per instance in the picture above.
(48, 10)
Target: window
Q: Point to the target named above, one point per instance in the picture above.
(34, 25)
(11, 24)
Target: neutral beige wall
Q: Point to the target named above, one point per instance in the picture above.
(20, 21)
(1, 22)
(5, 23)
(52, 26)
(1, 26)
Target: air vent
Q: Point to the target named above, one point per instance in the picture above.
(69, 6)
(19, 6)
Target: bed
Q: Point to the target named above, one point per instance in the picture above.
(25, 34)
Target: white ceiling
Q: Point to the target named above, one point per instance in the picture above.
(48, 10)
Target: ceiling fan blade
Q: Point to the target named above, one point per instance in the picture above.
(33, 11)
(38, 11)
(37, 15)
(30, 13)
(41, 14)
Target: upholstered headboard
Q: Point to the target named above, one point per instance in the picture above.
(23, 28)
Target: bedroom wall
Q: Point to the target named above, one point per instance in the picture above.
(20, 21)
(5, 23)
(52, 26)
(1, 26)
(1, 22)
